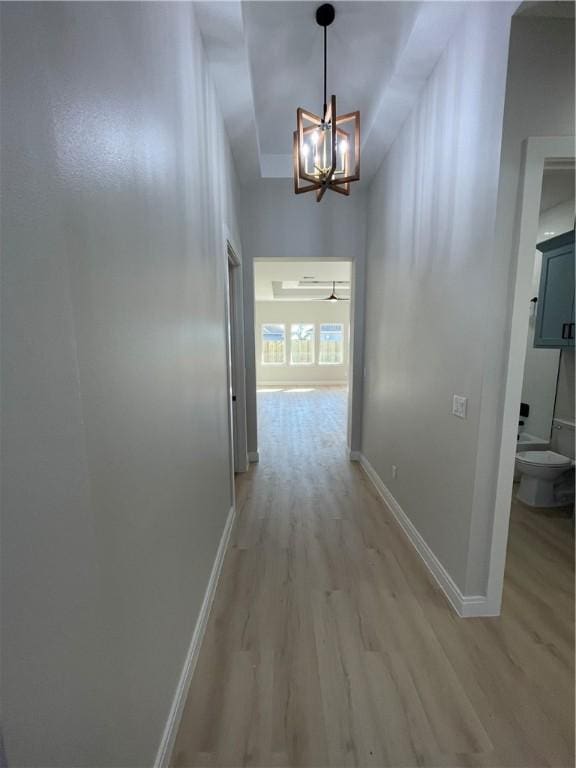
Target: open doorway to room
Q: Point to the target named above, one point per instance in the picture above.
(541, 533)
(302, 330)
(236, 371)
(534, 521)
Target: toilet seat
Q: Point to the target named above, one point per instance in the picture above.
(543, 459)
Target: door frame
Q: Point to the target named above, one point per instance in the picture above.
(537, 152)
(235, 361)
(355, 349)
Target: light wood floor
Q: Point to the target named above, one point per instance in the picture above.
(329, 644)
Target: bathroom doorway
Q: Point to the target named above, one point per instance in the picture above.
(535, 490)
(541, 533)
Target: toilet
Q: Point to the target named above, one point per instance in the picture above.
(540, 475)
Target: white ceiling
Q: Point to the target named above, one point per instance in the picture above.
(278, 280)
(266, 60)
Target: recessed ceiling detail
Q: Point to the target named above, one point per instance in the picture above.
(285, 280)
(296, 290)
(263, 58)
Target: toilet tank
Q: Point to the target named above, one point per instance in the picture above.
(562, 439)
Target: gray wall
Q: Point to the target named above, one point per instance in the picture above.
(431, 217)
(564, 408)
(276, 223)
(440, 238)
(115, 421)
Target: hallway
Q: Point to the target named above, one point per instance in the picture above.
(329, 644)
(179, 301)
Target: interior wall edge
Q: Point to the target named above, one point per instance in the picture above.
(115, 434)
(165, 749)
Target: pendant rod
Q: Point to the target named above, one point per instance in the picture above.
(325, 68)
(324, 17)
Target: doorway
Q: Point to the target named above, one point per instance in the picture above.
(540, 154)
(236, 369)
(303, 330)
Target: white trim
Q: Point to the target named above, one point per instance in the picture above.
(164, 753)
(253, 457)
(236, 358)
(353, 350)
(355, 455)
(464, 605)
(333, 383)
(536, 152)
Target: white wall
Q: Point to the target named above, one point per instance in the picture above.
(288, 312)
(562, 435)
(564, 408)
(116, 184)
(541, 365)
(431, 215)
(276, 223)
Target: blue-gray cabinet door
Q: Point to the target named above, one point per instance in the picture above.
(555, 309)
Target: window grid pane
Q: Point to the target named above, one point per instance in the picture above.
(302, 344)
(273, 344)
(331, 344)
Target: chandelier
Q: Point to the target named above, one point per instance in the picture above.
(326, 150)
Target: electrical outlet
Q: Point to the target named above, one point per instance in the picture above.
(459, 406)
(394, 471)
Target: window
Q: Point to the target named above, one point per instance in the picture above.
(273, 344)
(331, 344)
(302, 344)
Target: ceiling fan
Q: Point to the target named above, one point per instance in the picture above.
(333, 296)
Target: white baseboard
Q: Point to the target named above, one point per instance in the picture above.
(164, 753)
(464, 605)
(253, 457)
(355, 455)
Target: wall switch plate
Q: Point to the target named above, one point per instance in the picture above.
(394, 471)
(459, 406)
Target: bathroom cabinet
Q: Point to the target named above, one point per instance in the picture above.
(555, 308)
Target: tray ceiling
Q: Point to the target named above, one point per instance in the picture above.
(266, 60)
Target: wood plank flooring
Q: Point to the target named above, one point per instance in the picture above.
(329, 645)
